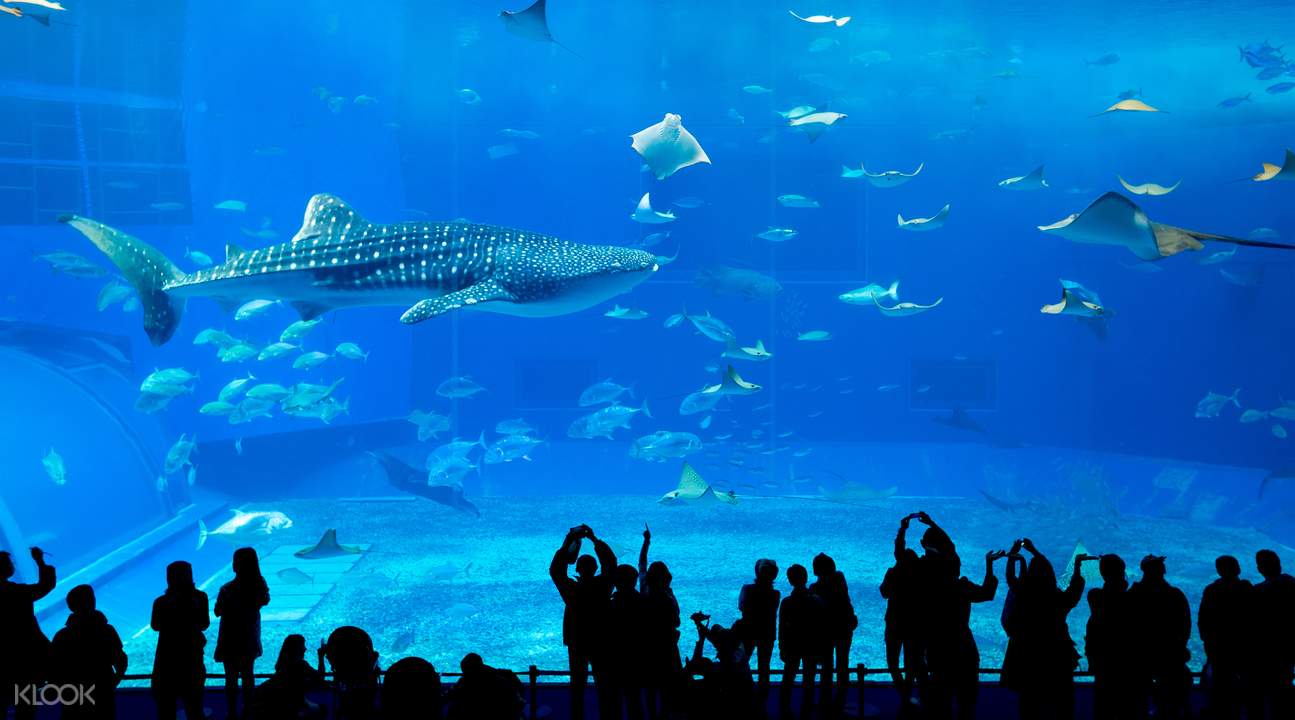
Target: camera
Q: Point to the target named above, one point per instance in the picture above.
(699, 617)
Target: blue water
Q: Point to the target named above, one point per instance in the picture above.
(196, 104)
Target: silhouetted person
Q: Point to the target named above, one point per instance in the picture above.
(411, 690)
(625, 641)
(901, 588)
(800, 638)
(583, 620)
(1273, 639)
(87, 652)
(1108, 644)
(758, 603)
(1040, 660)
(938, 565)
(661, 663)
(484, 693)
(839, 624)
(180, 616)
(1162, 625)
(349, 651)
(238, 642)
(284, 694)
(725, 689)
(1224, 623)
(952, 657)
(24, 649)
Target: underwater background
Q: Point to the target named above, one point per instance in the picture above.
(196, 125)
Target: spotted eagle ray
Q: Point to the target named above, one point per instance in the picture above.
(407, 478)
(338, 259)
(532, 24)
(1113, 219)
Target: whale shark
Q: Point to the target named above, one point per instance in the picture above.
(338, 259)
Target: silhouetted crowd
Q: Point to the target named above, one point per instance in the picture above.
(621, 625)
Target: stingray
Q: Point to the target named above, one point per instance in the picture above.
(1076, 300)
(816, 123)
(692, 488)
(1007, 505)
(1130, 105)
(821, 19)
(1286, 473)
(407, 478)
(645, 214)
(1272, 172)
(1113, 219)
(891, 178)
(853, 492)
(668, 147)
(1148, 188)
(327, 547)
(1033, 181)
(934, 222)
(904, 309)
(532, 24)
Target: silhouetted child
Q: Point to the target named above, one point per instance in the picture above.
(1108, 644)
(411, 690)
(661, 663)
(758, 603)
(238, 642)
(284, 694)
(1040, 659)
(87, 652)
(24, 651)
(180, 616)
(839, 624)
(1162, 625)
(1273, 638)
(625, 644)
(586, 600)
(484, 693)
(349, 651)
(800, 638)
(1225, 627)
(725, 689)
(901, 588)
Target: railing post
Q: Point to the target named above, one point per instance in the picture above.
(534, 674)
(859, 671)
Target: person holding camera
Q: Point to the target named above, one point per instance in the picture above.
(1040, 660)
(725, 689)
(24, 652)
(587, 599)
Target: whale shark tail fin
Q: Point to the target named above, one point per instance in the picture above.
(328, 216)
(145, 268)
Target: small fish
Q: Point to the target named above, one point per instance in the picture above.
(192, 477)
(1279, 432)
(429, 424)
(774, 234)
(734, 115)
(516, 426)
(1104, 60)
(351, 351)
(814, 336)
(819, 45)
(241, 352)
(1210, 405)
(1215, 258)
(887, 388)
(468, 96)
(216, 407)
(1279, 88)
(497, 152)
(458, 387)
(276, 350)
(689, 202)
(309, 360)
(1129, 94)
(870, 292)
(231, 205)
(603, 392)
(1235, 101)
(253, 308)
(54, 467)
(365, 100)
(162, 484)
(111, 294)
(797, 201)
(621, 313)
(167, 206)
(179, 454)
(1269, 73)
(520, 134)
(1253, 415)
(238, 446)
(234, 388)
(871, 57)
(298, 330)
(756, 90)
(197, 257)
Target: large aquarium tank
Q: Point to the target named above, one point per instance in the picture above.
(399, 293)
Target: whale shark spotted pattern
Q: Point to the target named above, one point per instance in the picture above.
(338, 259)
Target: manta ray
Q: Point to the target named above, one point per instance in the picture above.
(1113, 219)
(1273, 172)
(327, 547)
(890, 178)
(1033, 181)
(407, 478)
(1076, 300)
(667, 147)
(692, 488)
(934, 222)
(338, 259)
(1148, 188)
(532, 24)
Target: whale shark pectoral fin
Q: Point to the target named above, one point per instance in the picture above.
(482, 292)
